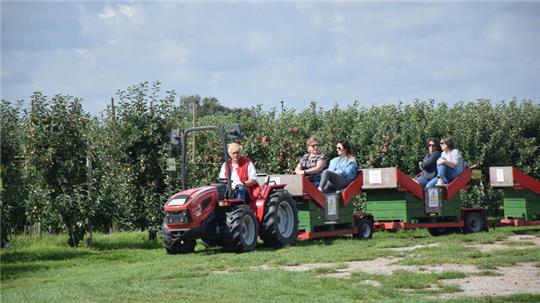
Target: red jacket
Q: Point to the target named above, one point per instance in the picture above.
(242, 172)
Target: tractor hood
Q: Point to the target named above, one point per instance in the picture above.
(181, 200)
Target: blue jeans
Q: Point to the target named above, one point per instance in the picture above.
(241, 192)
(422, 180)
(446, 172)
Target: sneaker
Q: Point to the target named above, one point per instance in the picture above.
(320, 189)
(440, 182)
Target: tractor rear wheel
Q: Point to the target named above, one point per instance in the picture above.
(474, 222)
(240, 230)
(181, 246)
(364, 228)
(280, 221)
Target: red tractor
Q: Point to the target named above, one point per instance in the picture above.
(211, 213)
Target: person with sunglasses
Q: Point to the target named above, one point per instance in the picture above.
(341, 171)
(428, 165)
(243, 173)
(450, 164)
(312, 163)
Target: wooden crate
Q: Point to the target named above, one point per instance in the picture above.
(375, 178)
(311, 216)
(391, 205)
(501, 176)
(521, 204)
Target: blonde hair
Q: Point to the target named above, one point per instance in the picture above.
(233, 147)
(311, 140)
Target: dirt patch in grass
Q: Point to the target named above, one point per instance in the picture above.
(513, 242)
(523, 278)
(410, 248)
(381, 266)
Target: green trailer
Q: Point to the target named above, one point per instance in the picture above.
(521, 195)
(326, 215)
(396, 201)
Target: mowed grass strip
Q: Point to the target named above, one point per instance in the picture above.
(125, 267)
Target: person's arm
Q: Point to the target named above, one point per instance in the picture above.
(349, 171)
(316, 169)
(431, 159)
(452, 161)
(298, 170)
(332, 166)
(222, 172)
(252, 175)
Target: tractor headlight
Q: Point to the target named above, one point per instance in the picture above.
(177, 201)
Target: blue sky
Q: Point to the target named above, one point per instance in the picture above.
(261, 53)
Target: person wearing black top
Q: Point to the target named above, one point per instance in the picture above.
(428, 166)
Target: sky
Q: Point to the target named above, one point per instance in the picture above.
(248, 53)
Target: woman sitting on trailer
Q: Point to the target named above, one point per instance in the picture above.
(243, 174)
(428, 166)
(341, 171)
(450, 164)
(312, 163)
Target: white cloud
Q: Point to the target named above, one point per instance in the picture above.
(127, 10)
(108, 13)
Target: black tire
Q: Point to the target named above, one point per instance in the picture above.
(364, 228)
(240, 230)
(474, 222)
(438, 231)
(280, 221)
(181, 246)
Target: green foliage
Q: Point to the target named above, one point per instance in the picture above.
(82, 173)
(12, 194)
(56, 147)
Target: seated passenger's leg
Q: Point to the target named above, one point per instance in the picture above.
(336, 181)
(422, 180)
(451, 174)
(324, 180)
(432, 183)
(241, 192)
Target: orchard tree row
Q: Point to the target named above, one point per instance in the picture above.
(64, 170)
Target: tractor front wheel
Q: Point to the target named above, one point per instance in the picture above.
(240, 230)
(280, 221)
(181, 246)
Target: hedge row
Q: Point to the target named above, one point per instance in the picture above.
(66, 170)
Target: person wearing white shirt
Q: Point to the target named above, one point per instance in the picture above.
(243, 174)
(450, 164)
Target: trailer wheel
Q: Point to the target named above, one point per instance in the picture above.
(438, 231)
(181, 246)
(280, 222)
(474, 222)
(365, 229)
(240, 230)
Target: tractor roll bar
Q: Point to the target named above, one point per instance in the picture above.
(221, 131)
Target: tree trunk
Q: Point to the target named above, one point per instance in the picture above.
(152, 235)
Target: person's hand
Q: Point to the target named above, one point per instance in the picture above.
(420, 165)
(441, 161)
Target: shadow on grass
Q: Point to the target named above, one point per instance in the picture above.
(214, 250)
(14, 271)
(526, 231)
(127, 244)
(42, 255)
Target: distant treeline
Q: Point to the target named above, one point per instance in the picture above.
(63, 169)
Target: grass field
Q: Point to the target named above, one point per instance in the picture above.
(125, 267)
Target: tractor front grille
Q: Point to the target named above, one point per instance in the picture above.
(175, 217)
